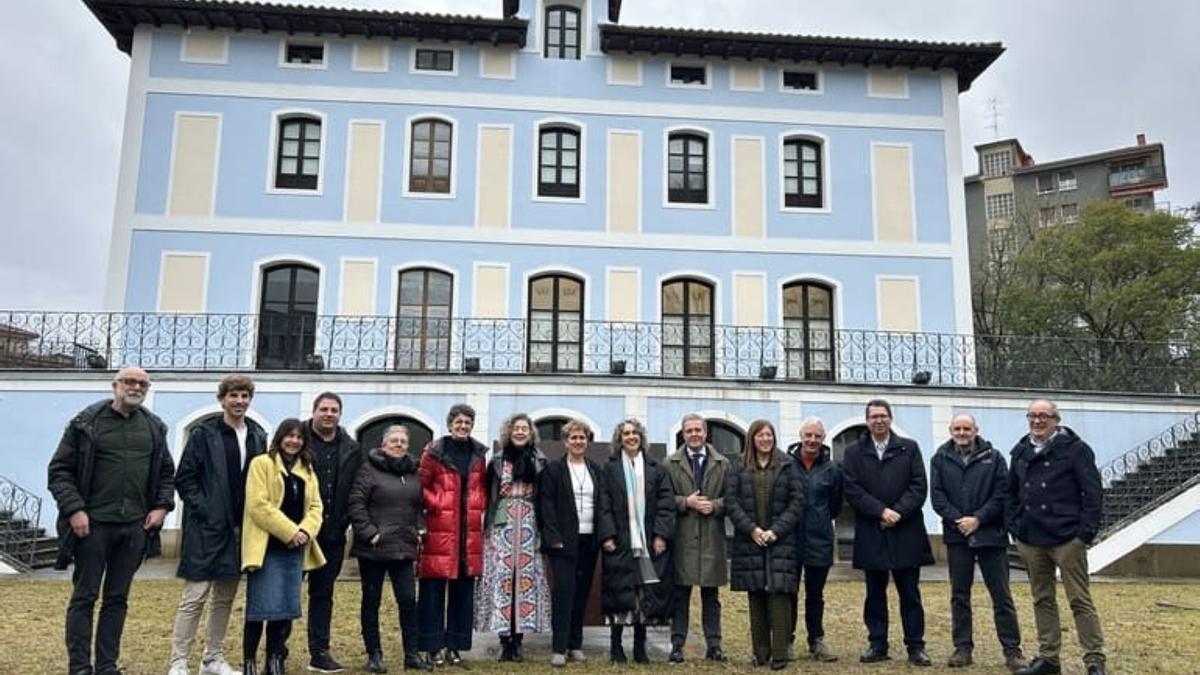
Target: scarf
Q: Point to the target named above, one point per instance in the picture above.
(635, 495)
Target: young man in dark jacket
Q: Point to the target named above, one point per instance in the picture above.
(212, 484)
(821, 481)
(967, 484)
(113, 479)
(885, 483)
(336, 460)
(1055, 498)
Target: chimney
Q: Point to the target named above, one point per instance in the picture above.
(1141, 139)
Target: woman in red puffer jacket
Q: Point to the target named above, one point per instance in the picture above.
(454, 492)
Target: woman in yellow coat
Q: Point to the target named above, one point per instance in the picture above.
(283, 512)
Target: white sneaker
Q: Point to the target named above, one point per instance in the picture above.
(558, 660)
(218, 667)
(576, 655)
(178, 668)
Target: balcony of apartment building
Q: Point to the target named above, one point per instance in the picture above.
(1137, 173)
(809, 351)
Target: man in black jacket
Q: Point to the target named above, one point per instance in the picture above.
(113, 479)
(1055, 497)
(885, 483)
(821, 479)
(967, 483)
(337, 458)
(212, 484)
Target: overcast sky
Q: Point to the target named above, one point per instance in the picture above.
(1079, 76)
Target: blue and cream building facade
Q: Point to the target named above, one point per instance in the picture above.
(545, 211)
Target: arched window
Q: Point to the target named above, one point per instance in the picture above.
(287, 316)
(370, 435)
(429, 156)
(298, 153)
(723, 436)
(687, 327)
(687, 168)
(423, 319)
(808, 328)
(802, 173)
(562, 32)
(555, 324)
(558, 161)
(550, 428)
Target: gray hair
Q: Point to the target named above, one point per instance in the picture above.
(396, 429)
(810, 421)
(507, 425)
(693, 416)
(1052, 404)
(638, 428)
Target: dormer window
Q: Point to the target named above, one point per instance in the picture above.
(562, 32)
(441, 60)
(689, 76)
(304, 54)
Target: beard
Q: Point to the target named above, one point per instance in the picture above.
(133, 401)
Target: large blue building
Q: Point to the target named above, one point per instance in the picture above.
(546, 211)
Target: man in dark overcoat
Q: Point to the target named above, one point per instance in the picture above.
(885, 483)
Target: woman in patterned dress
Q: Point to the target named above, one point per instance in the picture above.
(513, 596)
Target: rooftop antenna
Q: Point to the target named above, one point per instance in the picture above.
(994, 112)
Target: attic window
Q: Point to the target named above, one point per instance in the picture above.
(305, 54)
(800, 80)
(689, 76)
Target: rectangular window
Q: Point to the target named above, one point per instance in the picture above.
(1067, 180)
(1047, 216)
(1070, 213)
(441, 60)
(562, 32)
(687, 169)
(800, 80)
(429, 161)
(298, 153)
(689, 76)
(1046, 183)
(558, 162)
(802, 174)
(999, 206)
(997, 164)
(306, 54)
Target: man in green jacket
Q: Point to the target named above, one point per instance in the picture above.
(698, 472)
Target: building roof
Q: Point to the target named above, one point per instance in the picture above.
(120, 17)
(968, 59)
(1130, 152)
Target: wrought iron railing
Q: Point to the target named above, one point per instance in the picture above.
(20, 513)
(221, 342)
(1151, 474)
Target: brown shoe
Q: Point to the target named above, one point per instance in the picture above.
(820, 652)
(961, 658)
(1015, 660)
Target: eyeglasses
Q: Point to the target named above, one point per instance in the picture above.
(134, 382)
(1040, 417)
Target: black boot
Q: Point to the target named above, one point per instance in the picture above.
(274, 664)
(414, 661)
(506, 648)
(517, 653)
(639, 644)
(250, 667)
(375, 662)
(616, 653)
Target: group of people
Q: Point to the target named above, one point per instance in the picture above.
(505, 541)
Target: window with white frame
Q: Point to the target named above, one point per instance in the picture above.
(801, 80)
(684, 75)
(999, 206)
(802, 173)
(558, 161)
(1070, 213)
(429, 161)
(1047, 216)
(439, 60)
(997, 163)
(1067, 180)
(304, 53)
(298, 153)
(1046, 182)
(687, 168)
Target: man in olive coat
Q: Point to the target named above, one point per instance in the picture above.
(885, 483)
(697, 472)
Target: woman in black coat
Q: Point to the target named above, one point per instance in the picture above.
(567, 502)
(764, 500)
(637, 561)
(388, 517)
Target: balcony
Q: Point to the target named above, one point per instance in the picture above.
(379, 344)
(1139, 177)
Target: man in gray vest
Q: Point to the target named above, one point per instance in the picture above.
(697, 472)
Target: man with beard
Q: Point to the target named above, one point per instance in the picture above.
(113, 479)
(336, 458)
(212, 483)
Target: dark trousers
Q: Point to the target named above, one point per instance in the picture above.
(320, 594)
(446, 612)
(277, 637)
(993, 564)
(769, 625)
(710, 616)
(912, 614)
(569, 594)
(105, 562)
(371, 573)
(814, 603)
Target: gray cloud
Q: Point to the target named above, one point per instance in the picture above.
(1079, 76)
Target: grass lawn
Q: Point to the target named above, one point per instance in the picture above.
(1149, 628)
